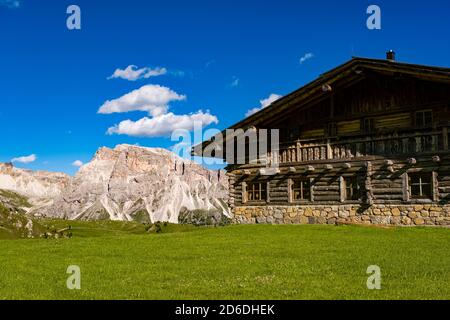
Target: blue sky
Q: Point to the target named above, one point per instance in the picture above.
(213, 59)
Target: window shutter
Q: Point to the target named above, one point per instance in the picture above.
(268, 192)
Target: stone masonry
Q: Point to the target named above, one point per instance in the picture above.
(378, 214)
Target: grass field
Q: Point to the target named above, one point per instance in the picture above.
(121, 261)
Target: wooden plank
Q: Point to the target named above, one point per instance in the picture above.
(405, 188)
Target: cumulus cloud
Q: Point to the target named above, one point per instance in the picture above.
(306, 57)
(10, 3)
(264, 104)
(132, 73)
(153, 99)
(77, 163)
(162, 125)
(25, 159)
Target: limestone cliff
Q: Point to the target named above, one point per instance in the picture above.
(136, 183)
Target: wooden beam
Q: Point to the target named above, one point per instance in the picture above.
(244, 192)
(368, 183)
(311, 101)
(390, 165)
(405, 187)
(445, 138)
(435, 185)
(289, 186)
(436, 159)
(268, 171)
(342, 189)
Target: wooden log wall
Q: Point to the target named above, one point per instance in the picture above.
(381, 181)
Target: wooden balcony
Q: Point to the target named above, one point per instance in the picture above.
(395, 144)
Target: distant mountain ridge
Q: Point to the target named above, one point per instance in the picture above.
(124, 183)
(32, 184)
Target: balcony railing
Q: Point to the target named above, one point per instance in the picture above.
(348, 148)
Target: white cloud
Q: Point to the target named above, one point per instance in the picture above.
(235, 82)
(209, 63)
(77, 163)
(162, 125)
(10, 3)
(25, 159)
(132, 73)
(153, 99)
(177, 73)
(306, 57)
(264, 104)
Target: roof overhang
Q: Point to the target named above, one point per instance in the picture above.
(353, 70)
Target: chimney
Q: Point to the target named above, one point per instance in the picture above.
(390, 55)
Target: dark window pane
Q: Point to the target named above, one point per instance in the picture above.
(426, 190)
(423, 118)
(352, 188)
(418, 119)
(427, 118)
(306, 192)
(300, 190)
(420, 185)
(257, 191)
(415, 190)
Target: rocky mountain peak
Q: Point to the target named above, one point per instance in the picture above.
(33, 184)
(137, 183)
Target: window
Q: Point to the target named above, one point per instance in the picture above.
(300, 190)
(423, 118)
(331, 129)
(420, 186)
(367, 125)
(289, 134)
(257, 191)
(352, 189)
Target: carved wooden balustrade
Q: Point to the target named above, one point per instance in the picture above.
(348, 148)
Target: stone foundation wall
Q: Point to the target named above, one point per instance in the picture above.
(398, 215)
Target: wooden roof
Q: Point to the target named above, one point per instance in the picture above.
(345, 74)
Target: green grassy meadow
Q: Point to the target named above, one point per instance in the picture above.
(122, 261)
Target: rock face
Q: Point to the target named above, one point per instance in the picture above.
(32, 184)
(141, 184)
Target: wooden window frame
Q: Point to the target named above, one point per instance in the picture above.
(250, 188)
(331, 129)
(424, 180)
(422, 118)
(344, 186)
(291, 190)
(407, 190)
(367, 128)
